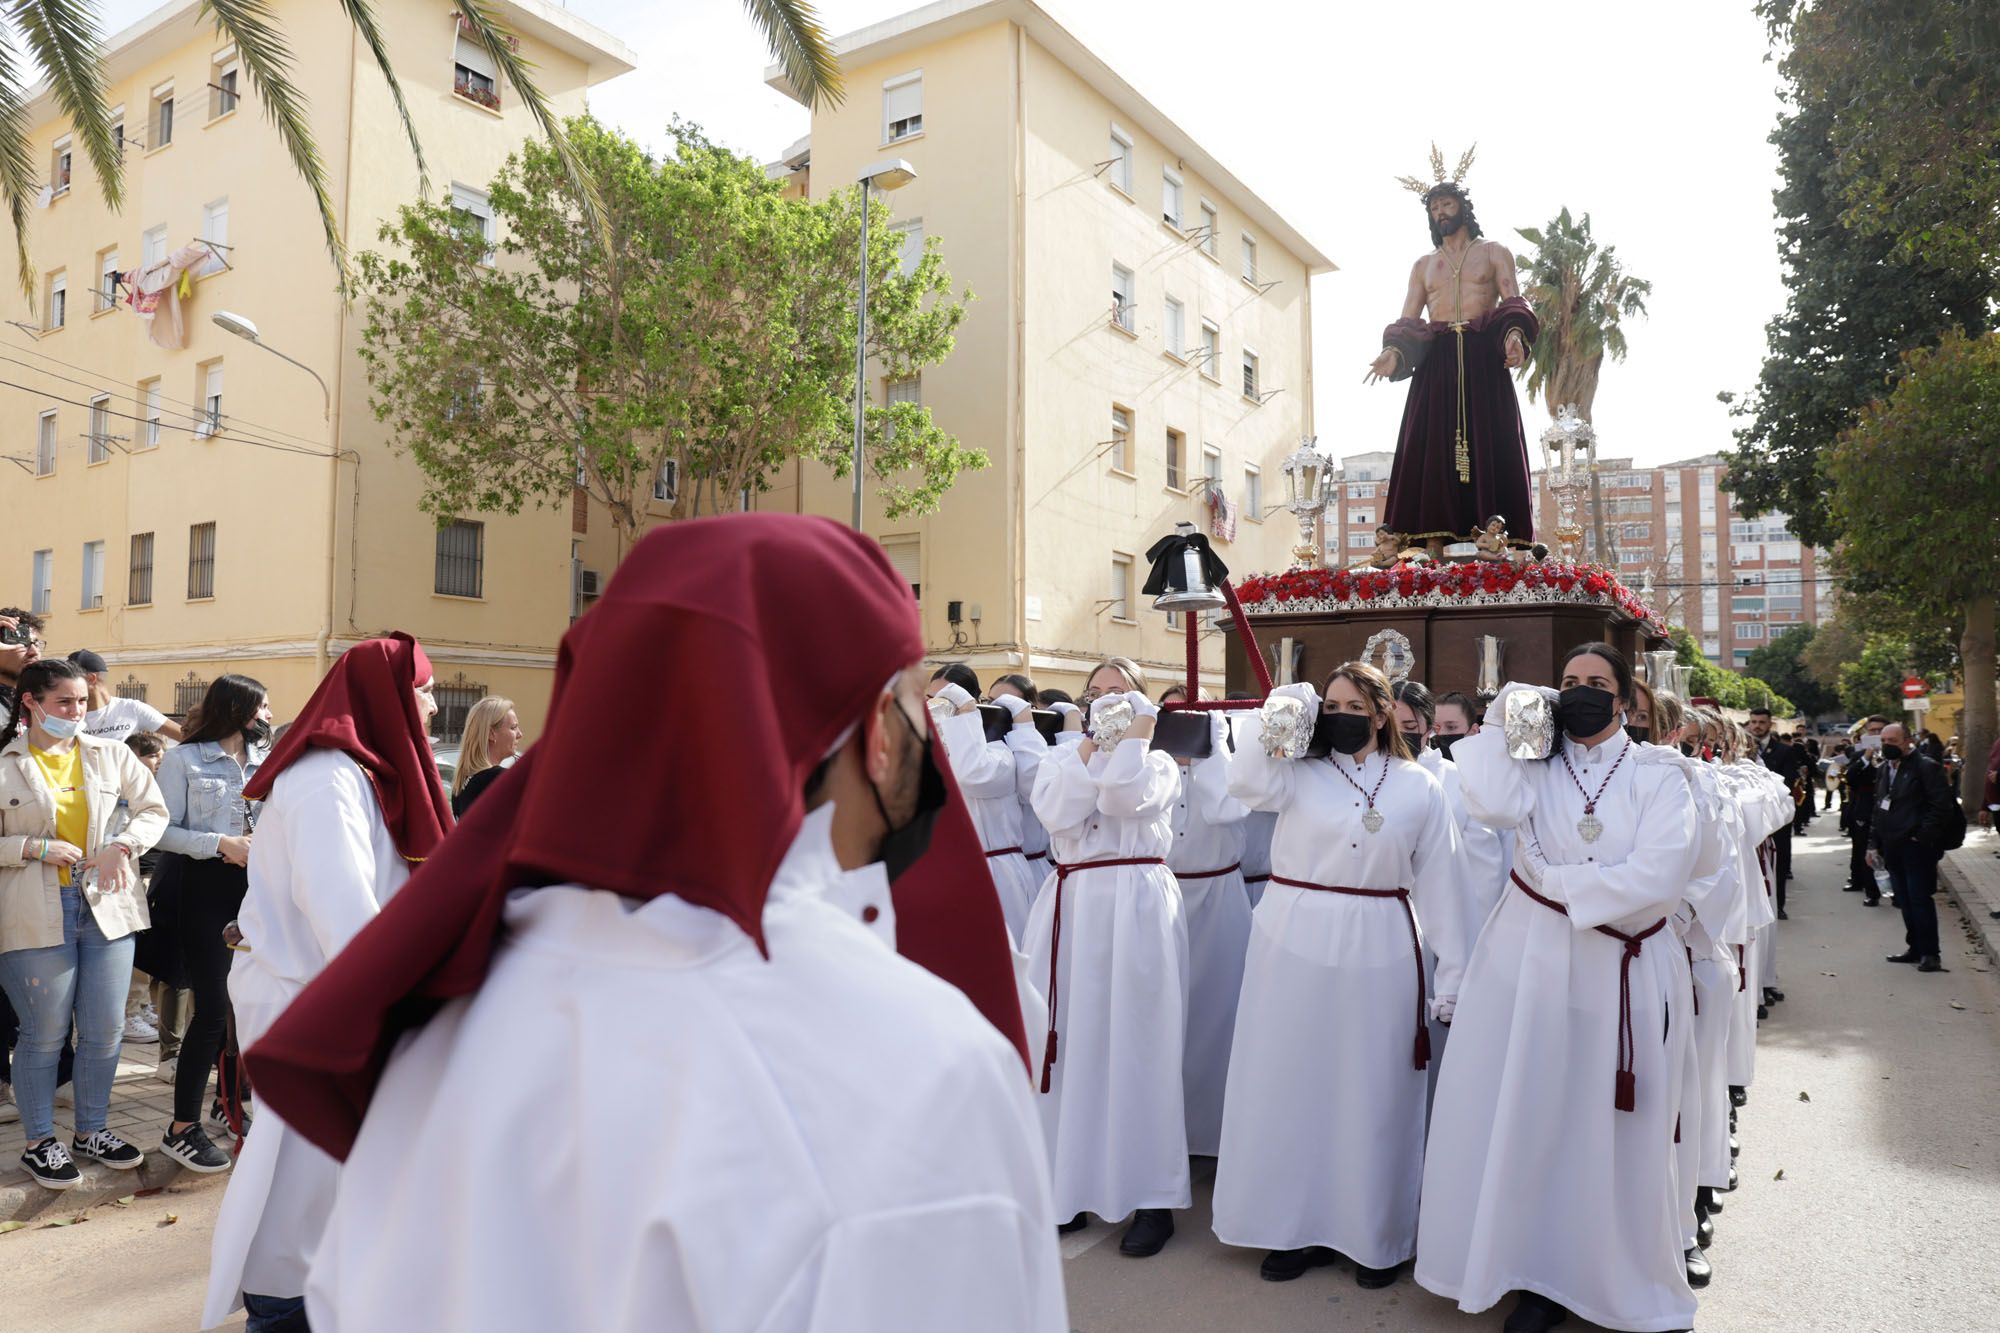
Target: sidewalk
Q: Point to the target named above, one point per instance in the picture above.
(1971, 876)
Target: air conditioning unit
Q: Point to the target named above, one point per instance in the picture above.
(586, 583)
(97, 602)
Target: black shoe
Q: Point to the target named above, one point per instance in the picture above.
(1534, 1314)
(1763, 1012)
(1932, 963)
(1738, 1096)
(1907, 956)
(1714, 1201)
(1783, 915)
(1699, 1271)
(193, 1150)
(108, 1148)
(1077, 1223)
(1374, 1279)
(1772, 995)
(51, 1165)
(1284, 1265)
(1704, 1233)
(1732, 1183)
(1871, 900)
(1850, 888)
(1149, 1233)
(1735, 1148)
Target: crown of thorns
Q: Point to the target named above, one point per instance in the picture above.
(1417, 185)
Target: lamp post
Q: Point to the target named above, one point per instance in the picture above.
(247, 331)
(889, 174)
(1306, 471)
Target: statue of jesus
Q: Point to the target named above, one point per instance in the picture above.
(1461, 456)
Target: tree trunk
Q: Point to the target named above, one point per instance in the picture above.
(1977, 724)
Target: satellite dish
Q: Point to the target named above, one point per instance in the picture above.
(47, 193)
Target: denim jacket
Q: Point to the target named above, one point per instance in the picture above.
(203, 787)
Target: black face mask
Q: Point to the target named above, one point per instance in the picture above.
(1415, 740)
(1585, 710)
(1344, 733)
(1891, 753)
(258, 733)
(1687, 748)
(903, 847)
(1443, 743)
(1639, 734)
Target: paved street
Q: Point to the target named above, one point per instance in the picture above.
(1884, 1219)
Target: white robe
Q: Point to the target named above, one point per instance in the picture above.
(1323, 1128)
(1028, 748)
(1208, 836)
(1258, 826)
(639, 1122)
(1533, 1179)
(989, 780)
(1485, 853)
(322, 863)
(1114, 1112)
(1765, 805)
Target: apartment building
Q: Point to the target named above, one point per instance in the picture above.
(1138, 351)
(194, 504)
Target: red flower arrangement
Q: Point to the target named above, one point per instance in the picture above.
(1440, 585)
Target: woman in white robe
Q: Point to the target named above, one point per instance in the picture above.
(1550, 1168)
(1111, 940)
(1323, 1125)
(1028, 747)
(988, 779)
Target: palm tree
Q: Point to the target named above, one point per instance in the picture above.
(63, 39)
(1580, 294)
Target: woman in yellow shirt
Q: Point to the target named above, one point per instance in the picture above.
(70, 902)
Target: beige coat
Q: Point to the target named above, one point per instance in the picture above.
(30, 891)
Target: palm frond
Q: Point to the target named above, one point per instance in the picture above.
(19, 175)
(251, 25)
(800, 43)
(63, 36)
(362, 15)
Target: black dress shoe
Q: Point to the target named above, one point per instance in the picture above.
(1732, 1183)
(1735, 1148)
(1704, 1233)
(1284, 1265)
(1772, 995)
(1699, 1271)
(1932, 963)
(1850, 888)
(1077, 1223)
(1907, 956)
(1376, 1278)
(1871, 900)
(1763, 1012)
(1149, 1233)
(1783, 915)
(1738, 1095)
(1534, 1314)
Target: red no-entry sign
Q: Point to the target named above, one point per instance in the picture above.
(1914, 688)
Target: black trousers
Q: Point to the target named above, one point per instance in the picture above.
(1859, 873)
(211, 892)
(1913, 877)
(1781, 857)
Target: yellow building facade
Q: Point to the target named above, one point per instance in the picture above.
(191, 510)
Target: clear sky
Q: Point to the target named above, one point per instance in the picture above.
(1653, 119)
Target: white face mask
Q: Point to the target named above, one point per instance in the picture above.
(61, 728)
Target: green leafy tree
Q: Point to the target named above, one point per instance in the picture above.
(1917, 494)
(1782, 663)
(709, 343)
(63, 38)
(1873, 681)
(1581, 296)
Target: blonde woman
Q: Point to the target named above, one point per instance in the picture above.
(492, 739)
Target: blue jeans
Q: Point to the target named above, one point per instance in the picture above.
(275, 1314)
(85, 979)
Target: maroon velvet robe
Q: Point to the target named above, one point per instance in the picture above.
(1426, 497)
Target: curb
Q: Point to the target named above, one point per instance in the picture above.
(1971, 905)
(22, 1200)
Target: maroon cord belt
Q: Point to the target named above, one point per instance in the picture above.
(1742, 969)
(1034, 856)
(1003, 851)
(1256, 879)
(1063, 872)
(1207, 874)
(1694, 987)
(1625, 1091)
(1421, 1051)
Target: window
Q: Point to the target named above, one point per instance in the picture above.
(1361, 516)
(1170, 198)
(1253, 494)
(139, 580)
(1211, 464)
(1749, 629)
(118, 132)
(1211, 222)
(1361, 490)
(743, 501)
(906, 555)
(1121, 439)
(1249, 373)
(1746, 606)
(187, 693)
(911, 236)
(454, 702)
(225, 71)
(1636, 532)
(903, 107)
(58, 302)
(1121, 159)
(461, 559)
(667, 481)
(43, 590)
(904, 389)
(1211, 350)
(1360, 540)
(1249, 258)
(1782, 551)
(93, 576)
(152, 245)
(214, 228)
(61, 158)
(100, 429)
(130, 688)
(1176, 459)
(201, 561)
(1176, 328)
(1124, 302)
(162, 116)
(106, 294)
(1121, 587)
(474, 76)
(471, 208)
(45, 444)
(209, 421)
(149, 409)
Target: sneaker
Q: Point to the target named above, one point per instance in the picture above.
(169, 1067)
(51, 1166)
(219, 1117)
(108, 1148)
(138, 1029)
(149, 1013)
(192, 1149)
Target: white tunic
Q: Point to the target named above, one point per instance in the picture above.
(990, 782)
(1258, 826)
(1765, 805)
(1323, 1129)
(639, 1122)
(1534, 1179)
(1028, 749)
(322, 863)
(1208, 836)
(1114, 1111)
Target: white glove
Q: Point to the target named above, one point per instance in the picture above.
(957, 694)
(1141, 705)
(1496, 712)
(1301, 691)
(1064, 707)
(1111, 716)
(1015, 707)
(1443, 1008)
(940, 709)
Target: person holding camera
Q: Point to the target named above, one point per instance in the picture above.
(1906, 833)
(21, 646)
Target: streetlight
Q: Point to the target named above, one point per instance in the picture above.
(889, 174)
(243, 328)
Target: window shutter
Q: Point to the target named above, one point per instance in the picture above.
(903, 101)
(477, 59)
(906, 554)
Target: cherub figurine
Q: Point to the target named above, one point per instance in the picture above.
(1388, 548)
(1492, 540)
